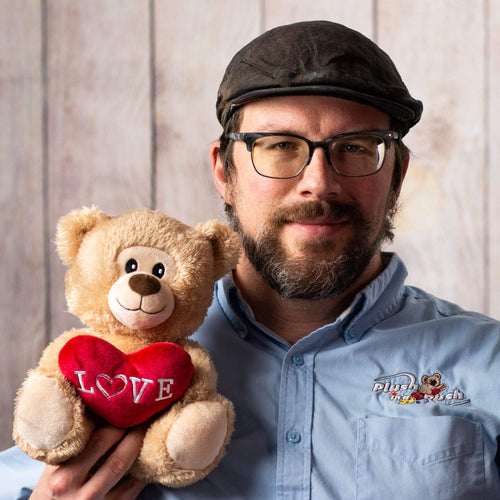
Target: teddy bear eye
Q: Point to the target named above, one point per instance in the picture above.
(131, 266)
(159, 270)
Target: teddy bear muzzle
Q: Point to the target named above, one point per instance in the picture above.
(141, 301)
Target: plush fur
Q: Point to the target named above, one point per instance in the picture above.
(116, 263)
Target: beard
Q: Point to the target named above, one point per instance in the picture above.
(327, 274)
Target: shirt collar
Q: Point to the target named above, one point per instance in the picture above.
(370, 306)
(378, 300)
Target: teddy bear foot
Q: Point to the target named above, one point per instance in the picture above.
(44, 421)
(191, 443)
(198, 434)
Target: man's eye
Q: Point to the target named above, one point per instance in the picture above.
(352, 148)
(281, 146)
(361, 145)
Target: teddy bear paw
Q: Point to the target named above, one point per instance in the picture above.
(198, 434)
(44, 414)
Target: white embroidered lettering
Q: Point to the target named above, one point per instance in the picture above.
(145, 382)
(108, 394)
(165, 386)
(80, 375)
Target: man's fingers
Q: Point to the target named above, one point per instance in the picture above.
(117, 464)
(127, 489)
(99, 443)
(103, 463)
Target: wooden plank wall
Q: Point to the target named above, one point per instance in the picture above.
(112, 103)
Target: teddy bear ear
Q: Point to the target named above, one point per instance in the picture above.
(225, 244)
(72, 228)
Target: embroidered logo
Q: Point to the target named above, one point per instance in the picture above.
(408, 391)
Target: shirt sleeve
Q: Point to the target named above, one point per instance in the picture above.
(18, 474)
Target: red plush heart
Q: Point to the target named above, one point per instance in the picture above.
(126, 389)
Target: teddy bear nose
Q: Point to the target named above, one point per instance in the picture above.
(144, 284)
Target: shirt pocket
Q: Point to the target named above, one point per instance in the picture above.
(432, 458)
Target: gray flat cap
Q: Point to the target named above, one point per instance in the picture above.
(317, 57)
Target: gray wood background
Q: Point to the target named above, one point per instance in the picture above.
(112, 102)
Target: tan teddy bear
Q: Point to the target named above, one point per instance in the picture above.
(141, 282)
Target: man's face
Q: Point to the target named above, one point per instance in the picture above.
(312, 236)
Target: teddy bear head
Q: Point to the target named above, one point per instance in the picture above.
(142, 273)
(431, 384)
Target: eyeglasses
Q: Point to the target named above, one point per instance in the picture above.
(284, 156)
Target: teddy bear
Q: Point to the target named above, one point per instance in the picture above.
(141, 283)
(431, 385)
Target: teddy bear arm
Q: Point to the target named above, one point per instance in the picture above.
(204, 380)
(49, 360)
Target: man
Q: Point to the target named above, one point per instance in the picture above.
(347, 384)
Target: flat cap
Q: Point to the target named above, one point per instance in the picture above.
(317, 57)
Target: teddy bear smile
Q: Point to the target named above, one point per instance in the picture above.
(141, 312)
(137, 309)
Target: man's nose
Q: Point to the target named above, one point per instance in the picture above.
(319, 178)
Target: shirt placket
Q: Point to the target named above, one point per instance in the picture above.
(293, 472)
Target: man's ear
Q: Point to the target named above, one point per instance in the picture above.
(404, 168)
(221, 183)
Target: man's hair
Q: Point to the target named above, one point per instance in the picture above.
(233, 125)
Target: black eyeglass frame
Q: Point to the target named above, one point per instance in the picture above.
(250, 137)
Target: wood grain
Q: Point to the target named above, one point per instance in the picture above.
(357, 14)
(99, 117)
(194, 43)
(493, 161)
(22, 246)
(440, 232)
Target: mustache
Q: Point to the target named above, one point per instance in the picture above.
(330, 210)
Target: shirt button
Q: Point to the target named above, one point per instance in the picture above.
(293, 437)
(298, 359)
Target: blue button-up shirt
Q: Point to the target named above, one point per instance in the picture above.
(397, 399)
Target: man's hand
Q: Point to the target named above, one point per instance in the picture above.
(93, 474)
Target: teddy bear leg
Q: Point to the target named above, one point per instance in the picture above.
(190, 440)
(198, 434)
(50, 422)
